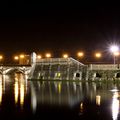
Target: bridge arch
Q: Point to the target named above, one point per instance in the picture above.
(96, 76)
(12, 70)
(77, 75)
(117, 75)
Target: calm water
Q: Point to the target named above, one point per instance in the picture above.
(22, 99)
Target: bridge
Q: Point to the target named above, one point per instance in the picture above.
(71, 69)
(10, 68)
(61, 69)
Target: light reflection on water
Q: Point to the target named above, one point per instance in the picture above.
(115, 105)
(84, 99)
(1, 91)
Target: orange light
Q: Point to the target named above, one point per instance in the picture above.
(16, 58)
(48, 55)
(65, 55)
(22, 56)
(80, 54)
(116, 53)
(98, 55)
(39, 56)
(1, 57)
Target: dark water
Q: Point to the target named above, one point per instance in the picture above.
(22, 99)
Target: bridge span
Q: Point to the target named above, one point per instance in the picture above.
(10, 68)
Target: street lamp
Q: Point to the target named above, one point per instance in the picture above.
(22, 56)
(65, 55)
(115, 51)
(98, 55)
(22, 59)
(80, 54)
(48, 55)
(39, 56)
(16, 58)
(1, 57)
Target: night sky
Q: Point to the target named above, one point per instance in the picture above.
(40, 27)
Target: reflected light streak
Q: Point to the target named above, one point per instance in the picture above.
(26, 77)
(16, 92)
(1, 92)
(115, 106)
(59, 87)
(21, 94)
(74, 86)
(81, 107)
(33, 99)
(98, 100)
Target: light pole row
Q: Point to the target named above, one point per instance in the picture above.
(114, 50)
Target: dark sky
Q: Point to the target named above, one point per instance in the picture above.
(42, 27)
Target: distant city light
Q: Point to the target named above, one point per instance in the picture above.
(65, 55)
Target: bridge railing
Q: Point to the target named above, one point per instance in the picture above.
(58, 61)
(103, 67)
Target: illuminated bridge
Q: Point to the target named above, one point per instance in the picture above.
(61, 69)
(71, 69)
(57, 69)
(7, 69)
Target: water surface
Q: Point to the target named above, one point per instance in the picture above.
(38, 100)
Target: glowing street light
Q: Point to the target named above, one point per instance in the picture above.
(65, 55)
(115, 51)
(1, 57)
(16, 58)
(114, 48)
(39, 56)
(98, 55)
(80, 54)
(22, 59)
(22, 56)
(48, 55)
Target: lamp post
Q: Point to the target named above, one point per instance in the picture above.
(115, 52)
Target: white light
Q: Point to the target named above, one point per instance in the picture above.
(98, 100)
(115, 106)
(114, 48)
